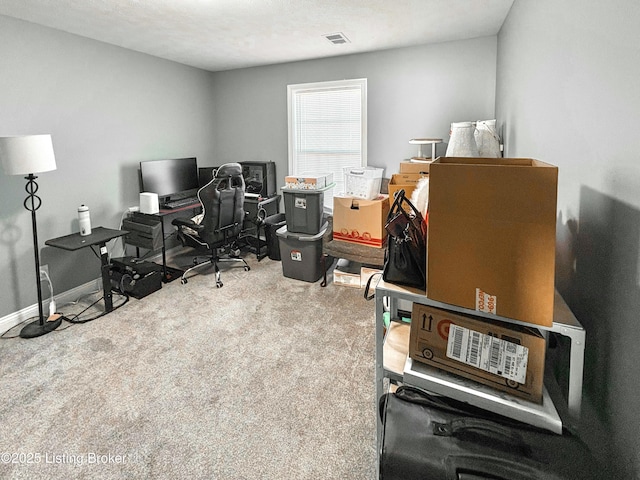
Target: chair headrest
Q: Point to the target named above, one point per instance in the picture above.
(229, 170)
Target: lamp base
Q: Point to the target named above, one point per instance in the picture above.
(34, 329)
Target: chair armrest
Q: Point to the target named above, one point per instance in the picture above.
(186, 222)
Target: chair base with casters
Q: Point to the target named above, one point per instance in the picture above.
(232, 256)
(229, 253)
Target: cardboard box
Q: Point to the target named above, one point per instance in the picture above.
(347, 273)
(492, 235)
(415, 167)
(366, 273)
(404, 181)
(308, 182)
(506, 357)
(357, 220)
(353, 274)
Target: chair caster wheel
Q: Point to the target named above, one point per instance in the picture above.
(246, 269)
(219, 284)
(183, 281)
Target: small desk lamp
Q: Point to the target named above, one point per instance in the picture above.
(26, 155)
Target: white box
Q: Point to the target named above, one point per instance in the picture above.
(308, 181)
(149, 203)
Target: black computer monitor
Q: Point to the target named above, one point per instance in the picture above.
(177, 177)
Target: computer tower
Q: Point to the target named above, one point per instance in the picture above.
(260, 178)
(205, 175)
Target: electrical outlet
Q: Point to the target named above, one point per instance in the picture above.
(45, 269)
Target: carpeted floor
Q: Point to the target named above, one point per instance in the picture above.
(266, 378)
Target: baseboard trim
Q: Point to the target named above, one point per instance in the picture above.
(9, 321)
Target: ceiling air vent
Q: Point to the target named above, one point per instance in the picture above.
(337, 38)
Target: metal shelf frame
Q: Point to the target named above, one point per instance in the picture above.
(564, 323)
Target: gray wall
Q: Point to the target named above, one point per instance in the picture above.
(568, 93)
(412, 92)
(107, 109)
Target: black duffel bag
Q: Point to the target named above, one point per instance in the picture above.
(436, 438)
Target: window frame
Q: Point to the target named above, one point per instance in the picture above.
(293, 89)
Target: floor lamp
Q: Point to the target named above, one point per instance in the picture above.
(26, 155)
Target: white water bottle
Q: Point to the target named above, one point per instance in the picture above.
(84, 220)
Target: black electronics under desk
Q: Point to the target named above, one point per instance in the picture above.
(99, 236)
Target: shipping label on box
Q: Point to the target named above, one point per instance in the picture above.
(360, 221)
(504, 356)
(492, 236)
(500, 357)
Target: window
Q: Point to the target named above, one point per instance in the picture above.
(327, 129)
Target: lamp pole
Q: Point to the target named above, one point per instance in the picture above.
(33, 203)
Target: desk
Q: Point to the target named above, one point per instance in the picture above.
(99, 236)
(146, 230)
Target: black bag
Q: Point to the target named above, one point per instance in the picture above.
(406, 255)
(434, 437)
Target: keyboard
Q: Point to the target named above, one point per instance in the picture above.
(180, 202)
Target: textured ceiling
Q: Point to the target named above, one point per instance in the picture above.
(227, 34)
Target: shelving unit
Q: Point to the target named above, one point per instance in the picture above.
(392, 362)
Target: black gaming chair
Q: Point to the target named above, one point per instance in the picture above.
(222, 202)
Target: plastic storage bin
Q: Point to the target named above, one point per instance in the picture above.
(272, 224)
(301, 254)
(362, 182)
(304, 209)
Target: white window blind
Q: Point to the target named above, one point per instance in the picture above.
(327, 129)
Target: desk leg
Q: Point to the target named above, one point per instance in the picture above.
(106, 280)
(165, 276)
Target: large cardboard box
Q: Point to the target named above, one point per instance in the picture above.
(504, 356)
(357, 220)
(492, 235)
(404, 181)
(415, 167)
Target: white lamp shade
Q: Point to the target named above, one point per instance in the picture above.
(27, 154)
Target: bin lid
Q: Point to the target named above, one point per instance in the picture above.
(305, 191)
(303, 237)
